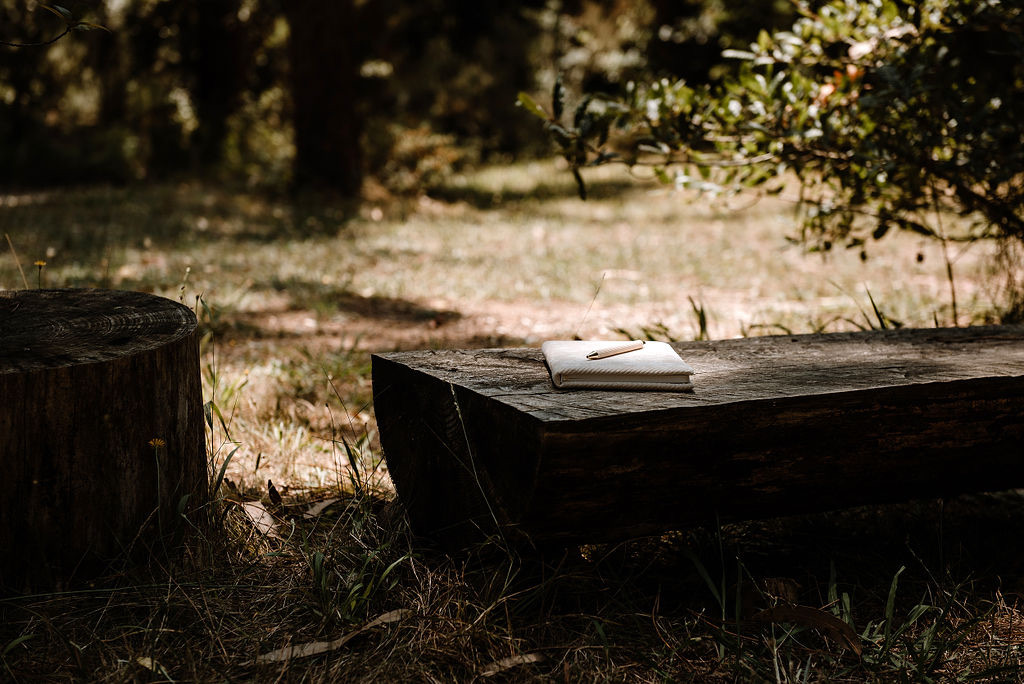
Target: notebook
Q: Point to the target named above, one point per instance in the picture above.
(652, 366)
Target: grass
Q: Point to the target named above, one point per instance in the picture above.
(692, 606)
(294, 297)
(298, 292)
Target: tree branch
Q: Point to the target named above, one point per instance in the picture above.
(51, 41)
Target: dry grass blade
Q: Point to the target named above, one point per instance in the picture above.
(152, 666)
(313, 648)
(319, 507)
(833, 627)
(261, 518)
(499, 666)
(17, 261)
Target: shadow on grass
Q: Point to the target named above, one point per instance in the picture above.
(304, 295)
(673, 608)
(685, 606)
(968, 536)
(486, 198)
(89, 222)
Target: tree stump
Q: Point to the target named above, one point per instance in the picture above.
(102, 445)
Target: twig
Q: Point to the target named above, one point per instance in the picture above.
(945, 255)
(17, 261)
(576, 333)
(66, 31)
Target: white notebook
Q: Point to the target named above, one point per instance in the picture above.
(655, 366)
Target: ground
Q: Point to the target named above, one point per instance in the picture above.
(294, 295)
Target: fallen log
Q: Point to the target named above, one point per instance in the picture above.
(480, 442)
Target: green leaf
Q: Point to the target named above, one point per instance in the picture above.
(702, 571)
(890, 602)
(89, 26)
(563, 137)
(585, 125)
(59, 11)
(530, 105)
(223, 469)
(15, 642)
(738, 54)
(581, 116)
(916, 227)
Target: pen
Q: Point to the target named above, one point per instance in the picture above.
(616, 350)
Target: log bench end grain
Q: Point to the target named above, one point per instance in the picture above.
(479, 442)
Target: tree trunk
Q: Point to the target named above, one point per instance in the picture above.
(222, 53)
(101, 433)
(323, 79)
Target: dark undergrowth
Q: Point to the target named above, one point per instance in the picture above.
(925, 591)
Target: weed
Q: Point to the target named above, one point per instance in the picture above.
(701, 314)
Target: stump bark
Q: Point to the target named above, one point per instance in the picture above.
(102, 445)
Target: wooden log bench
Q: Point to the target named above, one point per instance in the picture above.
(480, 442)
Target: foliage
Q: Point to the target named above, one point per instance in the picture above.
(69, 24)
(888, 114)
(688, 36)
(206, 88)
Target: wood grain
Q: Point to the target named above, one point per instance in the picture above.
(88, 378)
(481, 442)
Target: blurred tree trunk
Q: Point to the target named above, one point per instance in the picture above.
(221, 56)
(323, 84)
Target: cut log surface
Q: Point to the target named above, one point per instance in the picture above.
(481, 442)
(101, 431)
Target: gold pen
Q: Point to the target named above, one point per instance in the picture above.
(616, 350)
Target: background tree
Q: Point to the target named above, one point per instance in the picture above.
(323, 74)
(221, 48)
(276, 94)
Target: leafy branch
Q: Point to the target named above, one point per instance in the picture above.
(70, 24)
(886, 114)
